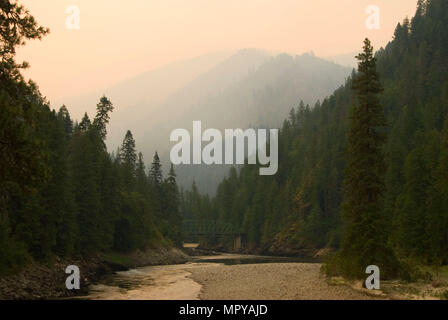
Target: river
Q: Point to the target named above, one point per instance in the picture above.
(222, 277)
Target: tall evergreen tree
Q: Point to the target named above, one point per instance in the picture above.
(86, 162)
(155, 172)
(85, 123)
(128, 156)
(22, 155)
(437, 212)
(171, 207)
(172, 177)
(103, 109)
(64, 117)
(142, 186)
(365, 238)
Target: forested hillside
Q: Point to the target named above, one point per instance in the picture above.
(300, 207)
(62, 193)
(260, 98)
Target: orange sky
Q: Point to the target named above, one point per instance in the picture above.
(119, 39)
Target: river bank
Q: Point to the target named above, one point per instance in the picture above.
(47, 281)
(271, 281)
(214, 278)
(169, 274)
(248, 277)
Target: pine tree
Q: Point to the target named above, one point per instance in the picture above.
(365, 240)
(127, 151)
(86, 161)
(64, 117)
(171, 207)
(85, 123)
(437, 219)
(22, 155)
(56, 195)
(411, 206)
(128, 156)
(17, 27)
(172, 177)
(103, 109)
(155, 172)
(141, 175)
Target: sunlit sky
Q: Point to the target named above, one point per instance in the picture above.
(119, 39)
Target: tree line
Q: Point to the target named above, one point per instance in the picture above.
(62, 192)
(366, 170)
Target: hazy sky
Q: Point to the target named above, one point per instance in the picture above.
(118, 39)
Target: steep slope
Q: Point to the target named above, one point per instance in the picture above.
(299, 208)
(249, 88)
(259, 96)
(151, 120)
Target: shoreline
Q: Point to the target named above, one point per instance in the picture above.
(170, 274)
(207, 279)
(271, 281)
(40, 281)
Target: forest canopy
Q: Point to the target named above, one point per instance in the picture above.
(300, 209)
(62, 193)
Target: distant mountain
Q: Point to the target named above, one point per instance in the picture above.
(300, 207)
(346, 60)
(247, 88)
(150, 119)
(148, 89)
(250, 88)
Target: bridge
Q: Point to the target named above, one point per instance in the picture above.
(194, 229)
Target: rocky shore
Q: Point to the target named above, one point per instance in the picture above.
(47, 281)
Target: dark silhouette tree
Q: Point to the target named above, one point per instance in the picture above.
(103, 109)
(365, 238)
(128, 156)
(155, 173)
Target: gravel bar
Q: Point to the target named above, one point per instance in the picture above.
(271, 281)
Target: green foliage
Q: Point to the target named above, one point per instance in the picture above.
(22, 157)
(128, 157)
(61, 192)
(365, 239)
(103, 108)
(13, 253)
(171, 206)
(155, 173)
(17, 26)
(396, 199)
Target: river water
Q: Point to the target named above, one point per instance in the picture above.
(171, 282)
